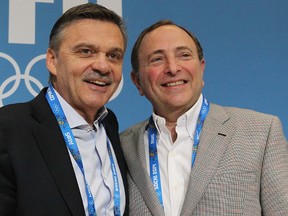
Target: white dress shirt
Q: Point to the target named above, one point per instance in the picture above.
(175, 159)
(92, 144)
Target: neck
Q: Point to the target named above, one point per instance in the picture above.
(89, 118)
(171, 122)
(172, 128)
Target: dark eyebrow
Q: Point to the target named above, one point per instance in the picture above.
(183, 48)
(91, 46)
(161, 51)
(116, 49)
(82, 45)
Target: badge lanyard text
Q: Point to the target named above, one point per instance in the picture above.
(153, 155)
(73, 148)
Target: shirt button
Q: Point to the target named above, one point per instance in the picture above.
(173, 154)
(89, 129)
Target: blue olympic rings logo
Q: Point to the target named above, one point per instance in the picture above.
(18, 76)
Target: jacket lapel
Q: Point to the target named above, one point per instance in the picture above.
(214, 138)
(55, 153)
(136, 161)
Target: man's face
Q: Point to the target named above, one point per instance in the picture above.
(170, 72)
(88, 66)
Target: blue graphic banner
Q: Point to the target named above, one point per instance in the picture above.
(245, 47)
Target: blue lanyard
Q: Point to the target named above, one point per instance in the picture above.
(153, 158)
(116, 182)
(153, 155)
(73, 148)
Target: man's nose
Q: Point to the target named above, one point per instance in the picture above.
(101, 63)
(172, 66)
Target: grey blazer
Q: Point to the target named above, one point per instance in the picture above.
(241, 167)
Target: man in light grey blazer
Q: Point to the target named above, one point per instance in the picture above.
(192, 157)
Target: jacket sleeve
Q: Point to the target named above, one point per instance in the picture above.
(274, 181)
(7, 177)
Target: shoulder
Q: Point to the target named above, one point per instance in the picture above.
(133, 135)
(136, 129)
(247, 119)
(14, 111)
(241, 113)
(37, 107)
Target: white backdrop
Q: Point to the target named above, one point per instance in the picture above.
(245, 46)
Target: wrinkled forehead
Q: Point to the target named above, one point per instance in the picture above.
(91, 31)
(167, 37)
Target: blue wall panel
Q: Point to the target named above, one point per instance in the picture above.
(245, 46)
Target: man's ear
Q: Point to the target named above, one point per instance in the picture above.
(51, 61)
(136, 81)
(202, 62)
(203, 69)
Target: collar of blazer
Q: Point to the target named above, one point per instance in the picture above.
(53, 148)
(215, 136)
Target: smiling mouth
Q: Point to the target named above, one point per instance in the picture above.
(98, 82)
(171, 84)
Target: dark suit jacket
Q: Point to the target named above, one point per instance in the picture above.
(241, 167)
(36, 174)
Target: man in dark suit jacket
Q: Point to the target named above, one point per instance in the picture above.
(45, 167)
(192, 157)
